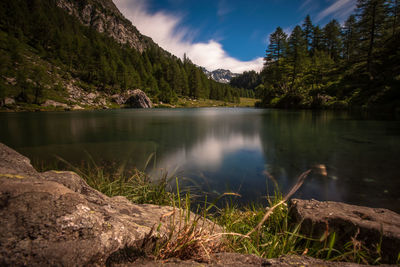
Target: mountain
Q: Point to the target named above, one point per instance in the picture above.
(104, 16)
(220, 75)
(83, 54)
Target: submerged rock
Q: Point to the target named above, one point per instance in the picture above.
(55, 218)
(371, 226)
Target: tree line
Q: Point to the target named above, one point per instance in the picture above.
(97, 60)
(356, 64)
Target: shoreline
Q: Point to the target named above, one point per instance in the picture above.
(65, 202)
(182, 103)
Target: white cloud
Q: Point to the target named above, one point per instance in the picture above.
(166, 31)
(208, 153)
(340, 9)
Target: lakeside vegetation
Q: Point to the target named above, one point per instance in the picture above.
(263, 229)
(200, 103)
(181, 102)
(339, 66)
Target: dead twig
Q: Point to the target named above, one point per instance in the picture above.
(296, 187)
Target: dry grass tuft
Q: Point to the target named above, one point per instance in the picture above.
(190, 238)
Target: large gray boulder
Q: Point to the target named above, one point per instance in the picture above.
(133, 99)
(371, 226)
(55, 218)
(138, 99)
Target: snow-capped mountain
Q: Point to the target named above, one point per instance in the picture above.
(220, 75)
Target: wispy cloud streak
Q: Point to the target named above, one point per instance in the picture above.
(166, 30)
(340, 9)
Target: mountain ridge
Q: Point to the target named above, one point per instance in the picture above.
(220, 75)
(105, 17)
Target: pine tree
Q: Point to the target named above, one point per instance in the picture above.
(317, 41)
(195, 83)
(296, 52)
(308, 32)
(371, 15)
(393, 17)
(350, 39)
(185, 82)
(277, 47)
(332, 40)
(39, 78)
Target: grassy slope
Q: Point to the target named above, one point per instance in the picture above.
(199, 103)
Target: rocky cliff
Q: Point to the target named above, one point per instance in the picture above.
(105, 17)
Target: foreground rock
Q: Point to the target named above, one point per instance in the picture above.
(233, 259)
(55, 218)
(370, 226)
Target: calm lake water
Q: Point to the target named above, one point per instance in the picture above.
(227, 150)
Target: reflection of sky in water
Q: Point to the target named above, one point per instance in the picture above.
(218, 163)
(223, 150)
(210, 152)
(236, 163)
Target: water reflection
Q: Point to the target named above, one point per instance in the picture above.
(227, 149)
(209, 154)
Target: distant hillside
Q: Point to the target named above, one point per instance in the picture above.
(220, 75)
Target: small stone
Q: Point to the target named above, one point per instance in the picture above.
(52, 103)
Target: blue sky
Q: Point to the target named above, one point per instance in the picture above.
(228, 34)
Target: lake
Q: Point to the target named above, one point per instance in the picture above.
(217, 150)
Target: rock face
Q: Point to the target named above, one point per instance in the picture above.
(105, 17)
(368, 225)
(220, 75)
(133, 99)
(55, 218)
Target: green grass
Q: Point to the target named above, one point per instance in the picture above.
(278, 237)
(263, 230)
(186, 102)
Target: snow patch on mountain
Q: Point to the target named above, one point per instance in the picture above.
(220, 75)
